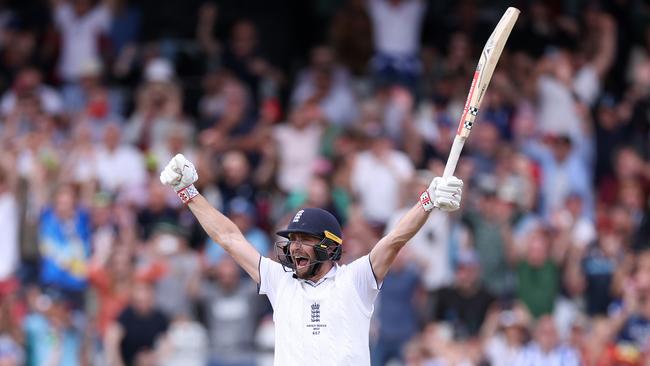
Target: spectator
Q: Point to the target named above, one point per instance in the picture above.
(157, 211)
(158, 107)
(319, 193)
(396, 32)
(176, 267)
(111, 275)
(546, 349)
(565, 167)
(381, 162)
(29, 81)
(186, 343)
(351, 36)
(11, 336)
(431, 245)
(559, 110)
(491, 231)
(504, 333)
(137, 329)
(64, 243)
(114, 155)
(81, 24)
(243, 57)
(298, 145)
(52, 335)
(236, 180)
(327, 84)
(9, 228)
(537, 262)
(232, 308)
(91, 100)
(398, 310)
(598, 265)
(464, 305)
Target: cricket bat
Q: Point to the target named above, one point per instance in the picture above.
(482, 76)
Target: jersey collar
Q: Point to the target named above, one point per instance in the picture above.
(331, 273)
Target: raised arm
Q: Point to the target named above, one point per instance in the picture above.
(227, 234)
(180, 174)
(442, 193)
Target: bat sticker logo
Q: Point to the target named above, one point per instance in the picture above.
(473, 111)
(469, 124)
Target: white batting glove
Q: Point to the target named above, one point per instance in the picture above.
(443, 193)
(180, 174)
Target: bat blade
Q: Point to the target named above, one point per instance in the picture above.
(482, 76)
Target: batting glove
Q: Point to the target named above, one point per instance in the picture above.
(181, 174)
(444, 193)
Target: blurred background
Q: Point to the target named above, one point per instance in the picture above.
(348, 105)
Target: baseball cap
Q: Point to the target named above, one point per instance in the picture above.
(316, 222)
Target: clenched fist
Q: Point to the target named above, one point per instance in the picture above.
(444, 193)
(180, 174)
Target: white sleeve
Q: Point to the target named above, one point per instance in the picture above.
(271, 273)
(101, 18)
(63, 15)
(364, 281)
(586, 85)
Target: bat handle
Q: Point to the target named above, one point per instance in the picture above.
(454, 154)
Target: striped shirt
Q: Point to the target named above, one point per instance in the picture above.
(532, 355)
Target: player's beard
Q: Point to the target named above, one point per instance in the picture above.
(305, 271)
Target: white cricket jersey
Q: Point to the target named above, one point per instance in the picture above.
(323, 323)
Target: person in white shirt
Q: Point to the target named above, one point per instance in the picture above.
(321, 309)
(546, 348)
(380, 171)
(298, 144)
(81, 24)
(113, 156)
(9, 222)
(396, 26)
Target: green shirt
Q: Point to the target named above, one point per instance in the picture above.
(537, 287)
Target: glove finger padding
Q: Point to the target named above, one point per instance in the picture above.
(447, 205)
(448, 193)
(179, 162)
(454, 182)
(444, 188)
(169, 177)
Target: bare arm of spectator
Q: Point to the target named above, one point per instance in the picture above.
(112, 339)
(180, 174)
(573, 277)
(266, 169)
(207, 19)
(606, 52)
(514, 251)
(7, 163)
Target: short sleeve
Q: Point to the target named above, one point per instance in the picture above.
(364, 280)
(271, 275)
(587, 85)
(63, 15)
(101, 18)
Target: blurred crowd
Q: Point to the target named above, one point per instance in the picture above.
(348, 105)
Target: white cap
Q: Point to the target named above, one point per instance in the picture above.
(159, 69)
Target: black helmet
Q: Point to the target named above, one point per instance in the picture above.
(318, 223)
